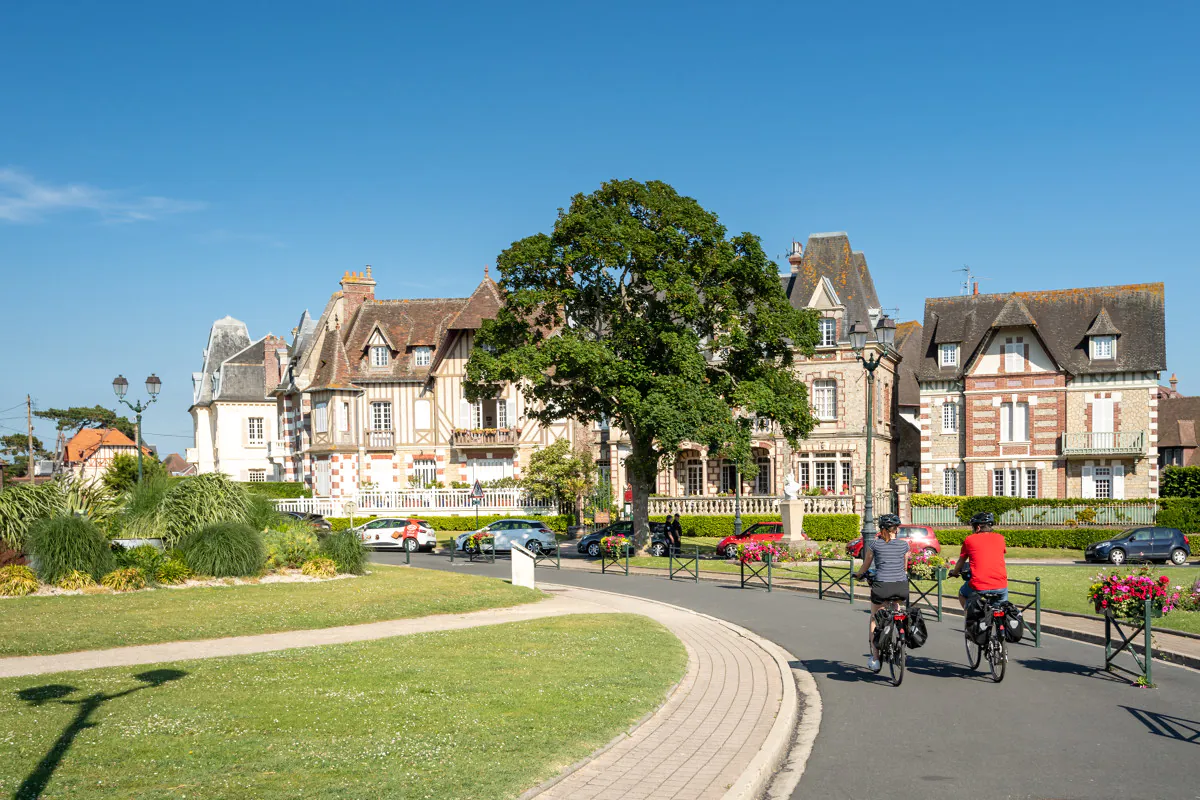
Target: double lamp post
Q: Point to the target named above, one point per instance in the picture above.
(120, 387)
(885, 336)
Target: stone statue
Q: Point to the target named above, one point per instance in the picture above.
(791, 489)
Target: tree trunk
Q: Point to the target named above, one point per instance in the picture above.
(643, 474)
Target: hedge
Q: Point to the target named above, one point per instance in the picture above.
(558, 523)
(832, 527)
(1179, 512)
(278, 490)
(1070, 538)
(1180, 482)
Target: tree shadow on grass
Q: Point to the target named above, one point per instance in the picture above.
(1178, 728)
(36, 782)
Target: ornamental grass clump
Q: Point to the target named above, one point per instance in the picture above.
(195, 502)
(127, 579)
(290, 547)
(224, 550)
(319, 567)
(145, 557)
(172, 571)
(76, 581)
(17, 580)
(346, 550)
(64, 543)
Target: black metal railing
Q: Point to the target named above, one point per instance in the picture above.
(614, 559)
(841, 584)
(1112, 625)
(679, 561)
(757, 573)
(1034, 601)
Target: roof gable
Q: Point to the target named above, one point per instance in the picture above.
(828, 257)
(1014, 315)
(1103, 325)
(484, 303)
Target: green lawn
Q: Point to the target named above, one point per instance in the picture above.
(42, 625)
(480, 713)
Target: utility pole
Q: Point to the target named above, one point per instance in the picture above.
(29, 424)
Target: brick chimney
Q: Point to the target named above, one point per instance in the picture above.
(1174, 383)
(357, 288)
(275, 358)
(976, 288)
(795, 256)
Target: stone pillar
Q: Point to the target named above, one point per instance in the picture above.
(792, 513)
(859, 491)
(903, 501)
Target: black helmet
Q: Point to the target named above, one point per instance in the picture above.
(889, 521)
(983, 518)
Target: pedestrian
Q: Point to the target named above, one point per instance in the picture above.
(675, 532)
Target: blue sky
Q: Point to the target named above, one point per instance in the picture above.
(165, 164)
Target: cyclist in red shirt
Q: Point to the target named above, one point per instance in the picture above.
(983, 551)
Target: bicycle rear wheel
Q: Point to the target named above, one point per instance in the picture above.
(896, 664)
(998, 657)
(974, 652)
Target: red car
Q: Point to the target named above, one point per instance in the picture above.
(920, 540)
(758, 532)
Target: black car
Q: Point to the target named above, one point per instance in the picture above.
(318, 522)
(1142, 544)
(590, 544)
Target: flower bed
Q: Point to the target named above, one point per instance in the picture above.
(1126, 596)
(922, 567)
(752, 552)
(475, 541)
(614, 546)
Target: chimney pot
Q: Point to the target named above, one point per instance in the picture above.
(1174, 382)
(976, 287)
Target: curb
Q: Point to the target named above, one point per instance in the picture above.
(778, 747)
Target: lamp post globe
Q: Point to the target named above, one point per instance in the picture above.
(858, 336)
(153, 385)
(885, 331)
(120, 386)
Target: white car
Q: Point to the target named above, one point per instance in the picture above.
(395, 533)
(531, 534)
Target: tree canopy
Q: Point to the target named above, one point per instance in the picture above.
(121, 475)
(77, 418)
(15, 448)
(562, 474)
(638, 309)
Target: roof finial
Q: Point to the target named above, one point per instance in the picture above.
(485, 270)
(368, 271)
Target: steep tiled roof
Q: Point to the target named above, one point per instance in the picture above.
(828, 255)
(405, 324)
(484, 303)
(908, 344)
(333, 368)
(1177, 418)
(176, 465)
(243, 376)
(83, 444)
(1061, 319)
(227, 337)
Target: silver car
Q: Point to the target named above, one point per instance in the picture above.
(531, 534)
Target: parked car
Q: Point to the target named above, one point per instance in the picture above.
(1142, 544)
(316, 520)
(920, 540)
(392, 533)
(758, 532)
(531, 534)
(590, 544)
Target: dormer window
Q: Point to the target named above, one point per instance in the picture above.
(1104, 348)
(828, 329)
(948, 355)
(380, 357)
(422, 356)
(216, 384)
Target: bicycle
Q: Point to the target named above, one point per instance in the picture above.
(895, 654)
(996, 646)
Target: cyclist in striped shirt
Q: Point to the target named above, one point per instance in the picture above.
(889, 556)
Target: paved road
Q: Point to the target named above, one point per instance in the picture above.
(1055, 728)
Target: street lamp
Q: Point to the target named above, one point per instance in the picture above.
(153, 387)
(885, 335)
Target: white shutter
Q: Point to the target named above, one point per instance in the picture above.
(1006, 422)
(1118, 482)
(1089, 483)
(1020, 422)
(464, 414)
(501, 413)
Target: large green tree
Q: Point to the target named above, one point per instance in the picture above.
(77, 418)
(121, 475)
(638, 308)
(562, 474)
(15, 448)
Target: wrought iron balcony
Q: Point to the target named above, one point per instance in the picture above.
(1110, 443)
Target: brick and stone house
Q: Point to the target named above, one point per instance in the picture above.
(1042, 394)
(372, 397)
(233, 413)
(1178, 419)
(90, 452)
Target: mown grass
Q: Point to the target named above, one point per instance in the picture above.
(480, 713)
(43, 625)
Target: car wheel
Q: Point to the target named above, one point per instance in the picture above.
(658, 549)
(594, 549)
(411, 545)
(731, 551)
(1178, 557)
(533, 546)
(1117, 556)
(928, 551)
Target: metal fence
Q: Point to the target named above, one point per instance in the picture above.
(1032, 516)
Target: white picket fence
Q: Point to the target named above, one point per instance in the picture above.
(1035, 516)
(724, 506)
(449, 502)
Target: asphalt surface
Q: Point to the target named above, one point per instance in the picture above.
(1058, 726)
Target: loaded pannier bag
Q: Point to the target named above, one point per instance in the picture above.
(1014, 623)
(917, 633)
(885, 630)
(978, 620)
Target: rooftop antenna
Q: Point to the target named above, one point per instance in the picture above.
(967, 278)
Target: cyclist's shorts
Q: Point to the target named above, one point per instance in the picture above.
(967, 591)
(894, 590)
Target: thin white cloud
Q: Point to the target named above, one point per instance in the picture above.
(26, 200)
(223, 236)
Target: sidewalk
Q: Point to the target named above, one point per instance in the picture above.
(721, 733)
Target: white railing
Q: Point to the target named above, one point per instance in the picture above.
(279, 449)
(755, 504)
(1039, 515)
(422, 501)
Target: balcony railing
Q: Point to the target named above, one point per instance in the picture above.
(485, 437)
(698, 505)
(279, 449)
(515, 502)
(1097, 443)
(379, 440)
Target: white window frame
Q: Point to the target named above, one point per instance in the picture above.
(1014, 357)
(1030, 483)
(256, 476)
(948, 355)
(381, 415)
(950, 482)
(424, 471)
(380, 356)
(825, 399)
(728, 478)
(502, 413)
(343, 416)
(422, 356)
(802, 475)
(251, 424)
(827, 327)
(320, 417)
(825, 475)
(1102, 477)
(1104, 348)
(693, 477)
(950, 417)
(1014, 420)
(762, 481)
